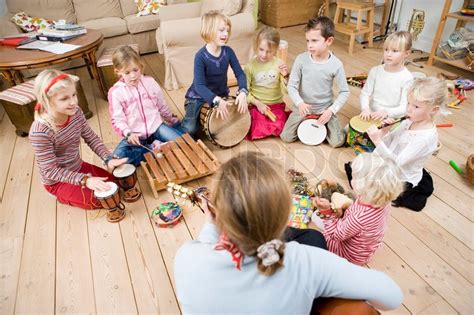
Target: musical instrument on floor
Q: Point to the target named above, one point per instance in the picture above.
(228, 132)
(167, 214)
(194, 196)
(311, 131)
(357, 136)
(178, 161)
(127, 180)
(110, 201)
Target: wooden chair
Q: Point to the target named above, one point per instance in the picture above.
(343, 23)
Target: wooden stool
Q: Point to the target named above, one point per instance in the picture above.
(349, 28)
(106, 67)
(19, 104)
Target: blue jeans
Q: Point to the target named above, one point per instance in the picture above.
(190, 123)
(135, 153)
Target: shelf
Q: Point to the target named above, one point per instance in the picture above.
(457, 63)
(459, 16)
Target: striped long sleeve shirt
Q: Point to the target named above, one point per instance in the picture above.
(57, 154)
(359, 233)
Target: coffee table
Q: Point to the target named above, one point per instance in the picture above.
(13, 60)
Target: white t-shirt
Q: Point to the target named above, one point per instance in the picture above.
(388, 91)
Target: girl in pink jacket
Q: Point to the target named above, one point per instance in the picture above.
(138, 109)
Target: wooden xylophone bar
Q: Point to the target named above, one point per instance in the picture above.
(178, 161)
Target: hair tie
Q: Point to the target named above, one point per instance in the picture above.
(54, 80)
(38, 107)
(268, 252)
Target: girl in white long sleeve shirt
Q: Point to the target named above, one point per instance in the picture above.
(385, 91)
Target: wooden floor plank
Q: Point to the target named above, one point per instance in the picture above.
(7, 145)
(13, 212)
(74, 278)
(418, 296)
(456, 290)
(112, 285)
(37, 281)
(151, 283)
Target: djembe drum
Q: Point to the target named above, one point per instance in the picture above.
(110, 200)
(127, 179)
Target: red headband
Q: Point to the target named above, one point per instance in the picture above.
(54, 80)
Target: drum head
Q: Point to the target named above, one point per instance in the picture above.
(360, 125)
(104, 194)
(124, 170)
(311, 132)
(227, 132)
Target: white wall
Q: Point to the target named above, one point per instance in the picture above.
(3, 7)
(433, 9)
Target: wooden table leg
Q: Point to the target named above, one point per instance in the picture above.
(8, 77)
(95, 72)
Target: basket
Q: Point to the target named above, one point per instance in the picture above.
(470, 168)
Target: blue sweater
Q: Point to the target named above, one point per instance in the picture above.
(210, 74)
(207, 281)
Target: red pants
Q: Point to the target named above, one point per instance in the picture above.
(77, 196)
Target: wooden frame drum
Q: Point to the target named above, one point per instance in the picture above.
(225, 133)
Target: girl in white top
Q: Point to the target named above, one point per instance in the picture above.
(414, 141)
(239, 265)
(385, 91)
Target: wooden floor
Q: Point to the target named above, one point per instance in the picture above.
(59, 259)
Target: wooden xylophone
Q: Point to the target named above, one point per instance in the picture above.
(178, 161)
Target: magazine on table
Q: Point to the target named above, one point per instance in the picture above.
(52, 47)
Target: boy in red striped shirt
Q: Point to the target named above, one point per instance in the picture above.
(359, 233)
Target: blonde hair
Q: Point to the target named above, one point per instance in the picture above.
(400, 40)
(124, 56)
(210, 25)
(431, 91)
(253, 203)
(376, 180)
(42, 81)
(271, 35)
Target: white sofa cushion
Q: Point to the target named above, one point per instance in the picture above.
(229, 7)
(109, 26)
(138, 24)
(47, 9)
(87, 10)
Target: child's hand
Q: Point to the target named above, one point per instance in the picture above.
(283, 68)
(379, 115)
(241, 102)
(262, 107)
(222, 110)
(113, 163)
(97, 183)
(204, 203)
(375, 134)
(303, 109)
(133, 139)
(322, 203)
(325, 116)
(388, 121)
(365, 115)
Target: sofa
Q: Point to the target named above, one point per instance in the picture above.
(178, 37)
(116, 19)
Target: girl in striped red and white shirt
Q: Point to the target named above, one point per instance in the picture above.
(359, 233)
(56, 137)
